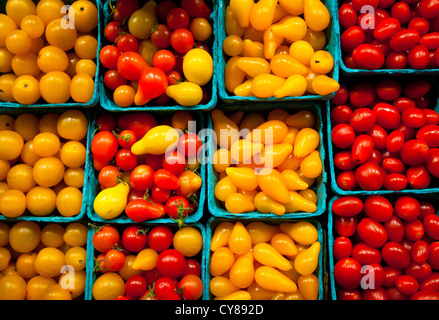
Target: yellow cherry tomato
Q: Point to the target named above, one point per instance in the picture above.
(254, 66)
(284, 244)
(261, 232)
(25, 89)
(262, 14)
(324, 85)
(127, 270)
(265, 204)
(48, 122)
(111, 202)
(309, 194)
(312, 166)
(236, 295)
(52, 235)
(6, 85)
(37, 285)
(49, 262)
(82, 88)
(12, 287)
(231, 23)
(5, 258)
(316, 15)
(317, 39)
(233, 76)
(198, 66)
(52, 58)
(59, 33)
(200, 28)
(264, 85)
(302, 51)
(72, 125)
(49, 10)
(307, 140)
(46, 144)
(108, 286)
(69, 201)
(73, 154)
(267, 255)
(221, 234)
(221, 286)
(188, 240)
(20, 177)
(33, 26)
(322, 62)
(284, 66)
(145, 260)
(24, 236)
(74, 177)
(233, 45)
(4, 234)
(76, 257)
(26, 265)
(18, 42)
(28, 154)
(123, 96)
(301, 119)
(86, 66)
(272, 183)
(41, 201)
(76, 234)
(241, 10)
(18, 9)
(85, 15)
(292, 28)
(86, 47)
(26, 124)
(56, 292)
(13, 203)
(25, 64)
(158, 140)
(11, 144)
(75, 286)
(48, 172)
(221, 160)
(7, 24)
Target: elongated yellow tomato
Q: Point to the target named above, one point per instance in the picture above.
(241, 10)
(294, 296)
(145, 260)
(254, 66)
(221, 261)
(221, 234)
(309, 194)
(221, 160)
(324, 85)
(316, 15)
(243, 178)
(290, 163)
(302, 232)
(307, 140)
(224, 188)
(284, 66)
(239, 240)
(299, 204)
(294, 86)
(262, 14)
(307, 261)
(253, 49)
(269, 132)
(275, 154)
(312, 166)
(271, 42)
(293, 181)
(244, 89)
(261, 232)
(271, 279)
(291, 27)
(185, 93)
(259, 293)
(302, 119)
(237, 295)
(111, 202)
(292, 6)
(317, 39)
(302, 51)
(267, 255)
(264, 85)
(309, 286)
(142, 20)
(284, 244)
(265, 204)
(272, 183)
(243, 150)
(231, 23)
(198, 66)
(278, 114)
(226, 131)
(221, 286)
(233, 76)
(242, 273)
(279, 296)
(251, 121)
(157, 140)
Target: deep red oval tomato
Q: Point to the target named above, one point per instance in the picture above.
(190, 145)
(416, 89)
(390, 275)
(420, 251)
(393, 165)
(134, 238)
(341, 96)
(419, 24)
(131, 65)
(404, 40)
(369, 176)
(431, 282)
(394, 294)
(351, 38)
(362, 148)
(407, 285)
(407, 208)
(409, 133)
(430, 41)
(420, 271)
(367, 56)
(346, 180)
(108, 56)
(163, 8)
(362, 119)
(386, 28)
(126, 160)
(425, 295)
(182, 40)
(113, 79)
(345, 294)
(426, 209)
(347, 206)
(413, 117)
(431, 224)
(401, 11)
(362, 94)
(395, 255)
(432, 162)
(170, 263)
(342, 135)
(396, 60)
(395, 182)
(347, 273)
(135, 286)
(141, 177)
(378, 135)
(196, 8)
(374, 273)
(387, 115)
(414, 152)
(174, 162)
(430, 134)
(127, 8)
(342, 248)
(378, 208)
(389, 89)
(160, 238)
(394, 228)
(347, 15)
(374, 294)
(403, 103)
(372, 232)
(343, 160)
(345, 226)
(428, 8)
(418, 177)
(433, 259)
(418, 57)
(414, 230)
(366, 254)
(340, 114)
(395, 141)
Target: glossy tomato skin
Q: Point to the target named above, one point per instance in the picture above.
(394, 228)
(346, 180)
(420, 271)
(407, 285)
(414, 152)
(395, 182)
(372, 232)
(418, 57)
(341, 96)
(433, 259)
(134, 238)
(105, 238)
(362, 148)
(387, 115)
(374, 294)
(342, 135)
(347, 15)
(362, 119)
(404, 40)
(367, 56)
(418, 177)
(420, 251)
(346, 294)
(342, 248)
(343, 160)
(351, 38)
(390, 275)
(429, 133)
(431, 224)
(407, 208)
(362, 94)
(366, 255)
(170, 263)
(345, 226)
(379, 136)
(386, 28)
(347, 206)
(347, 273)
(395, 255)
(369, 176)
(395, 141)
(394, 294)
(160, 238)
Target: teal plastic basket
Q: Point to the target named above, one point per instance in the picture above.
(106, 95)
(332, 46)
(70, 103)
(213, 222)
(55, 216)
(434, 186)
(94, 189)
(215, 206)
(92, 254)
(332, 236)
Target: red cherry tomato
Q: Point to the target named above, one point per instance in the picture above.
(386, 28)
(182, 40)
(407, 285)
(416, 89)
(341, 114)
(127, 8)
(428, 133)
(160, 238)
(347, 206)
(419, 24)
(345, 226)
(369, 176)
(141, 177)
(395, 181)
(420, 251)
(347, 15)
(161, 36)
(343, 160)
(396, 60)
(387, 115)
(362, 148)
(342, 248)
(378, 135)
(177, 18)
(418, 57)
(414, 152)
(401, 11)
(342, 135)
(414, 230)
(351, 38)
(344, 294)
(407, 208)
(135, 286)
(113, 79)
(127, 42)
(418, 177)
(130, 65)
(395, 255)
(347, 273)
(372, 232)
(389, 89)
(378, 208)
(346, 180)
(428, 8)
(367, 56)
(170, 263)
(108, 56)
(395, 141)
(366, 254)
(134, 238)
(362, 119)
(432, 162)
(404, 40)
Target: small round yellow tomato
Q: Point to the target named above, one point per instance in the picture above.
(33, 25)
(41, 201)
(26, 124)
(20, 177)
(25, 90)
(127, 270)
(302, 51)
(73, 154)
(48, 123)
(322, 62)
(18, 42)
(24, 236)
(86, 15)
(56, 292)
(37, 285)
(86, 47)
(12, 287)
(188, 240)
(5, 258)
(77, 287)
(11, 144)
(25, 64)
(28, 154)
(76, 257)
(49, 10)
(49, 262)
(200, 28)
(69, 202)
(4, 168)
(60, 33)
(52, 235)
(48, 172)
(233, 45)
(86, 66)
(26, 265)
(7, 24)
(72, 125)
(46, 144)
(108, 286)
(82, 88)
(74, 177)
(123, 96)
(52, 58)
(76, 234)
(5, 60)
(317, 39)
(6, 122)
(55, 87)
(18, 9)
(6, 84)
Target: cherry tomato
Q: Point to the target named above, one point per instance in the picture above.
(177, 18)
(170, 263)
(142, 177)
(182, 40)
(192, 266)
(104, 146)
(418, 177)
(414, 230)
(177, 207)
(346, 180)
(367, 56)
(105, 238)
(108, 176)
(362, 148)
(135, 286)
(112, 31)
(105, 121)
(114, 260)
(165, 179)
(138, 122)
(163, 9)
(362, 119)
(386, 28)
(372, 232)
(126, 160)
(165, 289)
(378, 135)
(196, 8)
(345, 226)
(362, 94)
(131, 65)
(342, 247)
(134, 238)
(340, 114)
(126, 8)
(404, 40)
(365, 254)
(347, 206)
(387, 115)
(369, 176)
(401, 11)
(396, 60)
(414, 152)
(347, 15)
(395, 255)
(420, 251)
(378, 208)
(343, 160)
(395, 182)
(113, 79)
(429, 133)
(374, 294)
(164, 60)
(160, 238)
(342, 135)
(345, 294)
(127, 42)
(407, 285)
(109, 56)
(126, 138)
(160, 195)
(161, 36)
(191, 286)
(395, 141)
(351, 38)
(407, 208)
(347, 273)
(418, 57)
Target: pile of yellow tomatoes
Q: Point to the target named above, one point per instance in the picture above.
(42, 162)
(48, 51)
